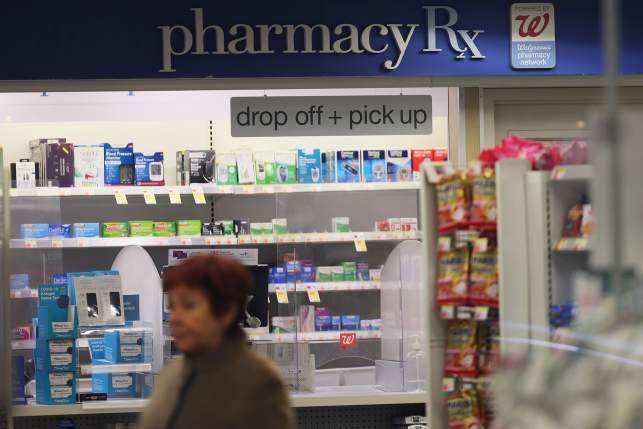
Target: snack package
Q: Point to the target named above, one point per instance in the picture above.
(462, 348)
(453, 272)
(461, 410)
(453, 202)
(490, 361)
(483, 200)
(588, 221)
(483, 278)
(574, 220)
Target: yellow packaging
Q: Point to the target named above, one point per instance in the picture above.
(483, 200)
(453, 274)
(483, 278)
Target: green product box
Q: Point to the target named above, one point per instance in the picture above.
(189, 228)
(255, 229)
(144, 228)
(324, 275)
(266, 228)
(337, 273)
(341, 224)
(115, 229)
(350, 270)
(164, 229)
(228, 227)
(265, 170)
(280, 226)
(286, 166)
(226, 168)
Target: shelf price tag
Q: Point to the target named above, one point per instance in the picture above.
(57, 243)
(282, 296)
(31, 244)
(559, 173)
(119, 193)
(248, 190)
(88, 192)
(47, 191)
(295, 238)
(163, 242)
(313, 293)
(268, 189)
(13, 192)
(580, 244)
(561, 244)
(15, 294)
(369, 187)
(175, 195)
(446, 312)
(346, 188)
(316, 188)
(83, 243)
(64, 192)
(481, 313)
(286, 189)
(448, 384)
(283, 238)
(398, 236)
(245, 239)
(14, 345)
(211, 241)
(34, 293)
(480, 245)
(186, 242)
(197, 192)
(268, 239)
(148, 194)
(360, 243)
(85, 369)
(226, 190)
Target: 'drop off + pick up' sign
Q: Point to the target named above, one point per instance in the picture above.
(331, 116)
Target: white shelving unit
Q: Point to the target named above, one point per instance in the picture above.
(324, 287)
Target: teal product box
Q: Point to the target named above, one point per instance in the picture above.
(89, 166)
(293, 270)
(336, 323)
(48, 329)
(18, 281)
(56, 298)
(149, 169)
(34, 230)
(56, 388)
(106, 273)
(322, 323)
(350, 323)
(373, 165)
(279, 275)
(398, 165)
(96, 349)
(123, 346)
(309, 162)
(55, 355)
(307, 275)
(328, 166)
(286, 167)
(265, 170)
(348, 166)
(59, 279)
(114, 384)
(86, 230)
(363, 272)
(59, 230)
(70, 282)
(119, 164)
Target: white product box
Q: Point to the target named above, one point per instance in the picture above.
(111, 299)
(394, 224)
(245, 165)
(307, 318)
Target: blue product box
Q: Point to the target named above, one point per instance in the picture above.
(114, 384)
(398, 165)
(309, 165)
(124, 346)
(293, 270)
(563, 310)
(336, 323)
(86, 230)
(55, 388)
(55, 355)
(350, 323)
(18, 281)
(348, 166)
(59, 230)
(18, 380)
(56, 298)
(96, 349)
(279, 275)
(34, 230)
(46, 328)
(106, 273)
(59, 279)
(322, 323)
(149, 169)
(373, 165)
(119, 164)
(307, 275)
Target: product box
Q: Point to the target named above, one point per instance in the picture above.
(56, 388)
(587, 225)
(141, 228)
(119, 164)
(307, 318)
(279, 275)
(242, 226)
(324, 274)
(322, 311)
(164, 229)
(280, 226)
(417, 158)
(409, 223)
(228, 226)
(322, 323)
(348, 166)
(265, 170)
(34, 230)
(266, 228)
(20, 333)
(373, 165)
(56, 298)
(350, 323)
(55, 355)
(293, 268)
(307, 275)
(226, 163)
(381, 226)
(59, 230)
(256, 228)
(121, 346)
(86, 230)
(284, 324)
(440, 155)
(114, 384)
(336, 323)
(337, 273)
(376, 324)
(111, 299)
(350, 271)
(309, 162)
(19, 281)
(329, 168)
(149, 169)
(340, 224)
(199, 166)
(88, 301)
(394, 224)
(188, 228)
(286, 166)
(398, 165)
(180, 178)
(25, 173)
(362, 272)
(115, 229)
(365, 325)
(375, 274)
(59, 279)
(89, 166)
(245, 166)
(214, 229)
(57, 164)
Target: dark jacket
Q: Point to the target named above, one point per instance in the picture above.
(229, 387)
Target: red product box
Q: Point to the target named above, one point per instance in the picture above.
(381, 226)
(440, 155)
(418, 156)
(394, 224)
(409, 224)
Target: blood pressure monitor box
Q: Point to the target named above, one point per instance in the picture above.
(149, 169)
(56, 388)
(55, 355)
(373, 165)
(398, 165)
(119, 164)
(348, 166)
(309, 161)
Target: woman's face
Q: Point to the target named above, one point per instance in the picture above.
(194, 327)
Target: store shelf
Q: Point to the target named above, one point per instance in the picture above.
(24, 293)
(315, 336)
(563, 173)
(112, 368)
(325, 287)
(211, 241)
(324, 187)
(581, 244)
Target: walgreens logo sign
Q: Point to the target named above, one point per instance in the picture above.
(533, 37)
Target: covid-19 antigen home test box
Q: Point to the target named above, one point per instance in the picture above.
(149, 169)
(114, 384)
(309, 165)
(119, 164)
(123, 345)
(348, 166)
(374, 165)
(398, 165)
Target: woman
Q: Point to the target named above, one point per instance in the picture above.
(220, 382)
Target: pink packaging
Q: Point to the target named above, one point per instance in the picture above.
(322, 311)
(20, 333)
(306, 318)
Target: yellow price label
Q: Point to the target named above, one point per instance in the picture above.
(119, 193)
(313, 295)
(282, 297)
(148, 194)
(175, 195)
(360, 245)
(197, 192)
